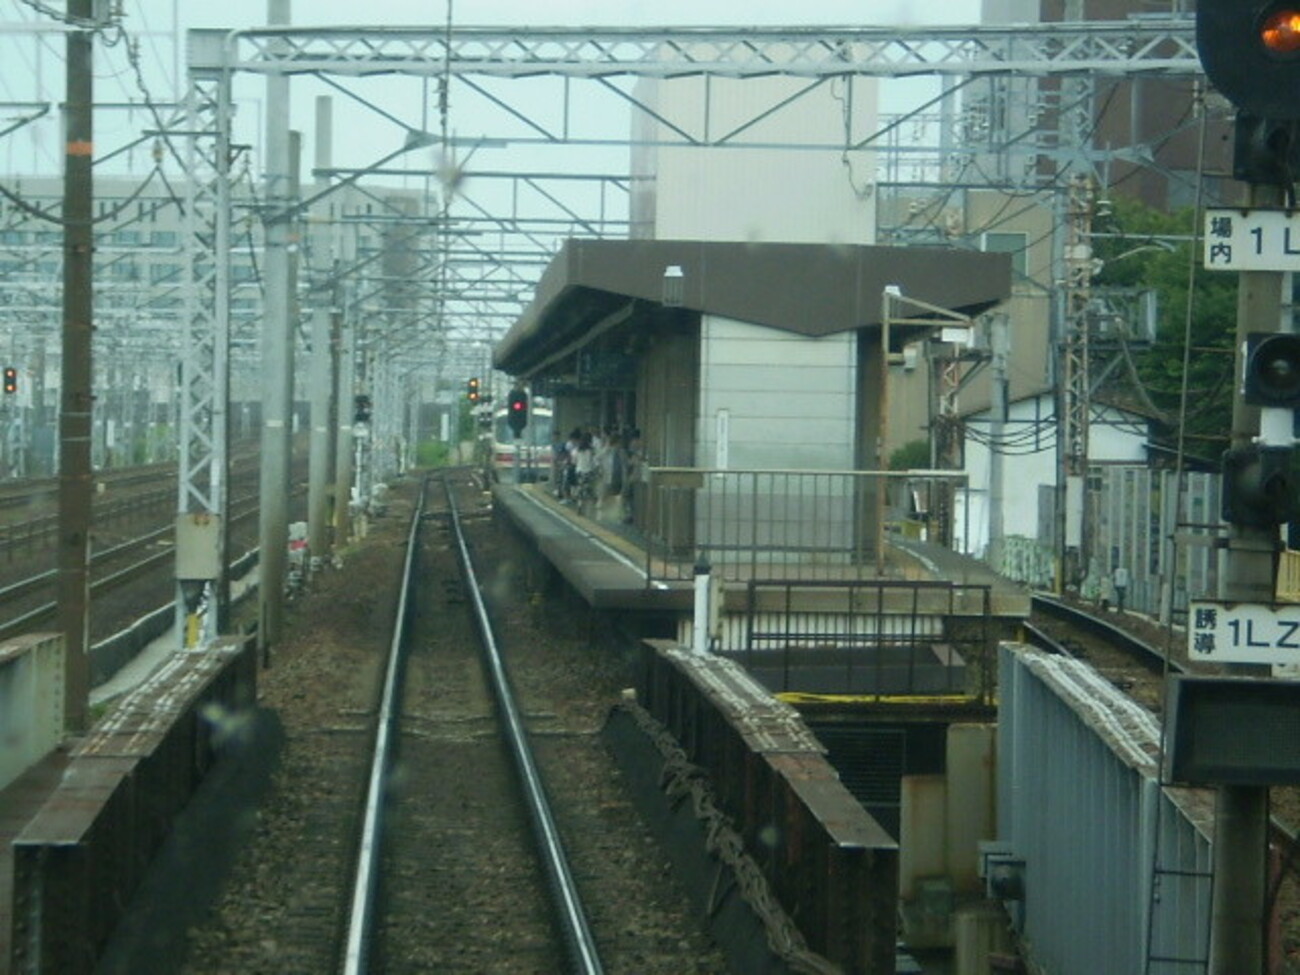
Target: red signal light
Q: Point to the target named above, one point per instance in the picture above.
(1280, 31)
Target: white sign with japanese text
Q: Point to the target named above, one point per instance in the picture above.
(1243, 633)
(1252, 240)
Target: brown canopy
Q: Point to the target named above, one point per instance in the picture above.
(811, 289)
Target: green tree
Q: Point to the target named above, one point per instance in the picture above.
(1142, 248)
(913, 455)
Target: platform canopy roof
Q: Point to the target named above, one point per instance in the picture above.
(594, 286)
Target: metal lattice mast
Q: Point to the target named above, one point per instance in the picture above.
(205, 375)
(1075, 383)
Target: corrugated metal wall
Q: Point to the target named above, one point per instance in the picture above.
(1079, 802)
(1136, 516)
(1135, 521)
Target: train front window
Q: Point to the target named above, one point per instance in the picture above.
(538, 430)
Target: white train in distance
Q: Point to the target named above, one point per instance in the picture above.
(533, 450)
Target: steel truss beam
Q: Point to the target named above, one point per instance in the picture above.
(1082, 51)
(1095, 48)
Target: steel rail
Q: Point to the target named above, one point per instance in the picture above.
(21, 624)
(1149, 656)
(568, 902)
(366, 876)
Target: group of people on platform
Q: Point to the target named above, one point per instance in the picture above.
(599, 465)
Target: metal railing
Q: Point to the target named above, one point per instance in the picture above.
(788, 524)
(878, 637)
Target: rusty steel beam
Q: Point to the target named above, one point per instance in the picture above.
(831, 866)
(80, 858)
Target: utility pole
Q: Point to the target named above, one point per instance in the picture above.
(277, 356)
(1074, 381)
(1000, 348)
(1249, 52)
(322, 351)
(76, 398)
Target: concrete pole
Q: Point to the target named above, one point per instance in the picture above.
(322, 371)
(277, 355)
(344, 383)
(1245, 575)
(75, 396)
(998, 343)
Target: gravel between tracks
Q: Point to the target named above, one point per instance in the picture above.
(322, 684)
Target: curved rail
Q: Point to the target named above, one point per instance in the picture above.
(573, 919)
(1140, 650)
(366, 879)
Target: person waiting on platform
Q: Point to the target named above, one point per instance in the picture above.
(565, 475)
(585, 473)
(612, 460)
(631, 473)
(1120, 582)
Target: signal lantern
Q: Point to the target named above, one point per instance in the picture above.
(1280, 31)
(11, 379)
(1251, 52)
(471, 390)
(1259, 489)
(517, 414)
(1272, 369)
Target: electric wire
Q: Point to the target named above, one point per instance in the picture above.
(1180, 479)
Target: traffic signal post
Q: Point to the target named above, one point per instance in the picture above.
(1251, 53)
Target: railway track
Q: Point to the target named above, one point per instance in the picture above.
(1129, 661)
(27, 603)
(460, 882)
(460, 713)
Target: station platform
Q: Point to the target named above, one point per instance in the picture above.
(609, 567)
(605, 566)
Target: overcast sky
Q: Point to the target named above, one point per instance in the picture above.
(32, 68)
(240, 13)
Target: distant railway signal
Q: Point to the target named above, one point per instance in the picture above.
(517, 414)
(362, 409)
(472, 391)
(11, 379)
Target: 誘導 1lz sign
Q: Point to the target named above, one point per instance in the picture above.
(1243, 633)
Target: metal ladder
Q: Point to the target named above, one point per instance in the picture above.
(1160, 960)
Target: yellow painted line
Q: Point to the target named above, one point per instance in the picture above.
(803, 697)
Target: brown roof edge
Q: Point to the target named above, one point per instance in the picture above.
(810, 289)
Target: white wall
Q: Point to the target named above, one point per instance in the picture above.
(1029, 459)
(768, 194)
(789, 401)
(1009, 12)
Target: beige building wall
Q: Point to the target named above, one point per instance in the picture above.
(781, 192)
(991, 221)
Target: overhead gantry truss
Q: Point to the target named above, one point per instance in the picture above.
(1084, 51)
(1155, 46)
